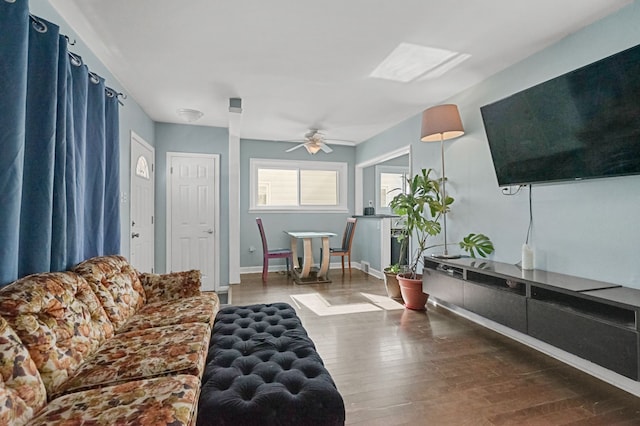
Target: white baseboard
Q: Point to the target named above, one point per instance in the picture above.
(376, 274)
(278, 268)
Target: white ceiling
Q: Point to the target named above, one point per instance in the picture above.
(298, 64)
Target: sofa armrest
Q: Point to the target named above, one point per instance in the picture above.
(172, 286)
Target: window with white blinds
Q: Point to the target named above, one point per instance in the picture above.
(299, 185)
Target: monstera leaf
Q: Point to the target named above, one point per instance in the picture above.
(478, 244)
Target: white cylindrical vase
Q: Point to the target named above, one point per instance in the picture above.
(527, 257)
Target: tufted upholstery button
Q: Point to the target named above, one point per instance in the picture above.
(265, 354)
(275, 330)
(263, 369)
(259, 326)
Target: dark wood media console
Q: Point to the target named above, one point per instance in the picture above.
(594, 320)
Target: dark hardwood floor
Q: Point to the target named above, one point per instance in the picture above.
(407, 367)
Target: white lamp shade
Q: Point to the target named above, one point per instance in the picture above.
(441, 122)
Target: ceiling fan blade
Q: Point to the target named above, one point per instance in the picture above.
(325, 147)
(295, 147)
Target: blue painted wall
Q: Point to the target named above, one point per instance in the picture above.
(276, 223)
(587, 228)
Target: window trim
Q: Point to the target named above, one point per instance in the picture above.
(267, 163)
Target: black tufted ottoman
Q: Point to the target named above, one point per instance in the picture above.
(263, 369)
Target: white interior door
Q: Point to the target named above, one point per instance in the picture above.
(192, 204)
(142, 204)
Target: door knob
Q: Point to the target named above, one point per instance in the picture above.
(209, 231)
(135, 235)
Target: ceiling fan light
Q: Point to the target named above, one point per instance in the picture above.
(312, 148)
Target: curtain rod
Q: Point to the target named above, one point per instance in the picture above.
(40, 25)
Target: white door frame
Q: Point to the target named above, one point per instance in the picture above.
(216, 209)
(359, 184)
(135, 138)
(385, 240)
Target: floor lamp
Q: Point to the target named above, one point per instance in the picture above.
(440, 123)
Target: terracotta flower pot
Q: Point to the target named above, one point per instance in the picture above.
(392, 286)
(411, 289)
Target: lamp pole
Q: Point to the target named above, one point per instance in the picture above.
(445, 254)
(444, 197)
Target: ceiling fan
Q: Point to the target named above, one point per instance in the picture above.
(313, 142)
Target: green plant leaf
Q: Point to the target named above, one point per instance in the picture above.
(392, 269)
(477, 244)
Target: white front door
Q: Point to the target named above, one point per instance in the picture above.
(192, 213)
(142, 208)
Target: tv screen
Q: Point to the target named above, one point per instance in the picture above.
(581, 125)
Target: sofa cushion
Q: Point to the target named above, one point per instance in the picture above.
(161, 351)
(116, 284)
(201, 309)
(172, 286)
(58, 318)
(160, 401)
(22, 390)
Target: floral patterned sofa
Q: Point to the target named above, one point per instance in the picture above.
(103, 344)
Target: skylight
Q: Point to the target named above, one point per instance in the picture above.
(408, 61)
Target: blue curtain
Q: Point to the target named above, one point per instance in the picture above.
(59, 151)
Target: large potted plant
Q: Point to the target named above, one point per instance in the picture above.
(421, 207)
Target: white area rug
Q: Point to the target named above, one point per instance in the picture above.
(321, 307)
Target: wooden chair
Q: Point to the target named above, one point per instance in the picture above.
(271, 254)
(347, 239)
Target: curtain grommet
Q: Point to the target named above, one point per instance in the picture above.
(38, 24)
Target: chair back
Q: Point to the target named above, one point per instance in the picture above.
(264, 238)
(349, 231)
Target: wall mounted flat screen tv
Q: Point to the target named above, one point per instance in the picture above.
(581, 125)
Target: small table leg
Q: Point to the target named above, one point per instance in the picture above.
(308, 258)
(326, 257)
(294, 252)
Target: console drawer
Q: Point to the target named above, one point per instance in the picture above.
(611, 346)
(503, 307)
(443, 285)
